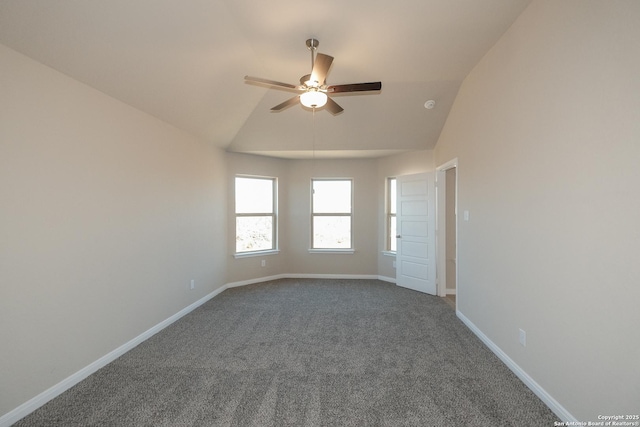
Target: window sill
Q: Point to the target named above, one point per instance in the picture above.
(389, 253)
(256, 253)
(332, 251)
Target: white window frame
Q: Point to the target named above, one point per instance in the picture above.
(273, 214)
(349, 250)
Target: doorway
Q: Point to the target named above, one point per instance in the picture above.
(447, 233)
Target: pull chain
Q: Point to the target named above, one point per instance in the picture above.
(313, 140)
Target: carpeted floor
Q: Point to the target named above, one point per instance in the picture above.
(303, 352)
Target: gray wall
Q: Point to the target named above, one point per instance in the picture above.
(546, 131)
(294, 177)
(106, 216)
(365, 192)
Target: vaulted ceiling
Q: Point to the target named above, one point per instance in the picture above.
(184, 61)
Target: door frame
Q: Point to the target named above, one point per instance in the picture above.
(441, 237)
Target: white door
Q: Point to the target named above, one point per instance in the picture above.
(416, 238)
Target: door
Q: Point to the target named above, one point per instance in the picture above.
(416, 240)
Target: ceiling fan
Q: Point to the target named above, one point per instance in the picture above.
(313, 86)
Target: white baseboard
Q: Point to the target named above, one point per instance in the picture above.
(553, 404)
(252, 281)
(31, 405)
(451, 291)
(331, 276)
(305, 276)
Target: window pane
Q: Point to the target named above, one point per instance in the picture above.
(392, 234)
(332, 196)
(331, 232)
(392, 195)
(254, 233)
(254, 195)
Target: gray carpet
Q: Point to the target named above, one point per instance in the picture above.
(305, 353)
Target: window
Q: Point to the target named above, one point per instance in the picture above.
(255, 214)
(391, 214)
(331, 209)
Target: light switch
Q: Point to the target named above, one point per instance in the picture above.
(466, 215)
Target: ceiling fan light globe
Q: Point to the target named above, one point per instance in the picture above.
(313, 99)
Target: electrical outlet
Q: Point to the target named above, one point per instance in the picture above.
(193, 284)
(394, 264)
(263, 263)
(523, 338)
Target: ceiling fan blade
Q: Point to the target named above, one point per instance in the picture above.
(333, 107)
(355, 87)
(270, 82)
(321, 68)
(287, 103)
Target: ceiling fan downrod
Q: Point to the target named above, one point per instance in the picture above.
(312, 45)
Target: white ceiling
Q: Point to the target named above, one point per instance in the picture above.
(183, 61)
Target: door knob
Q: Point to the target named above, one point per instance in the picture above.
(398, 236)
